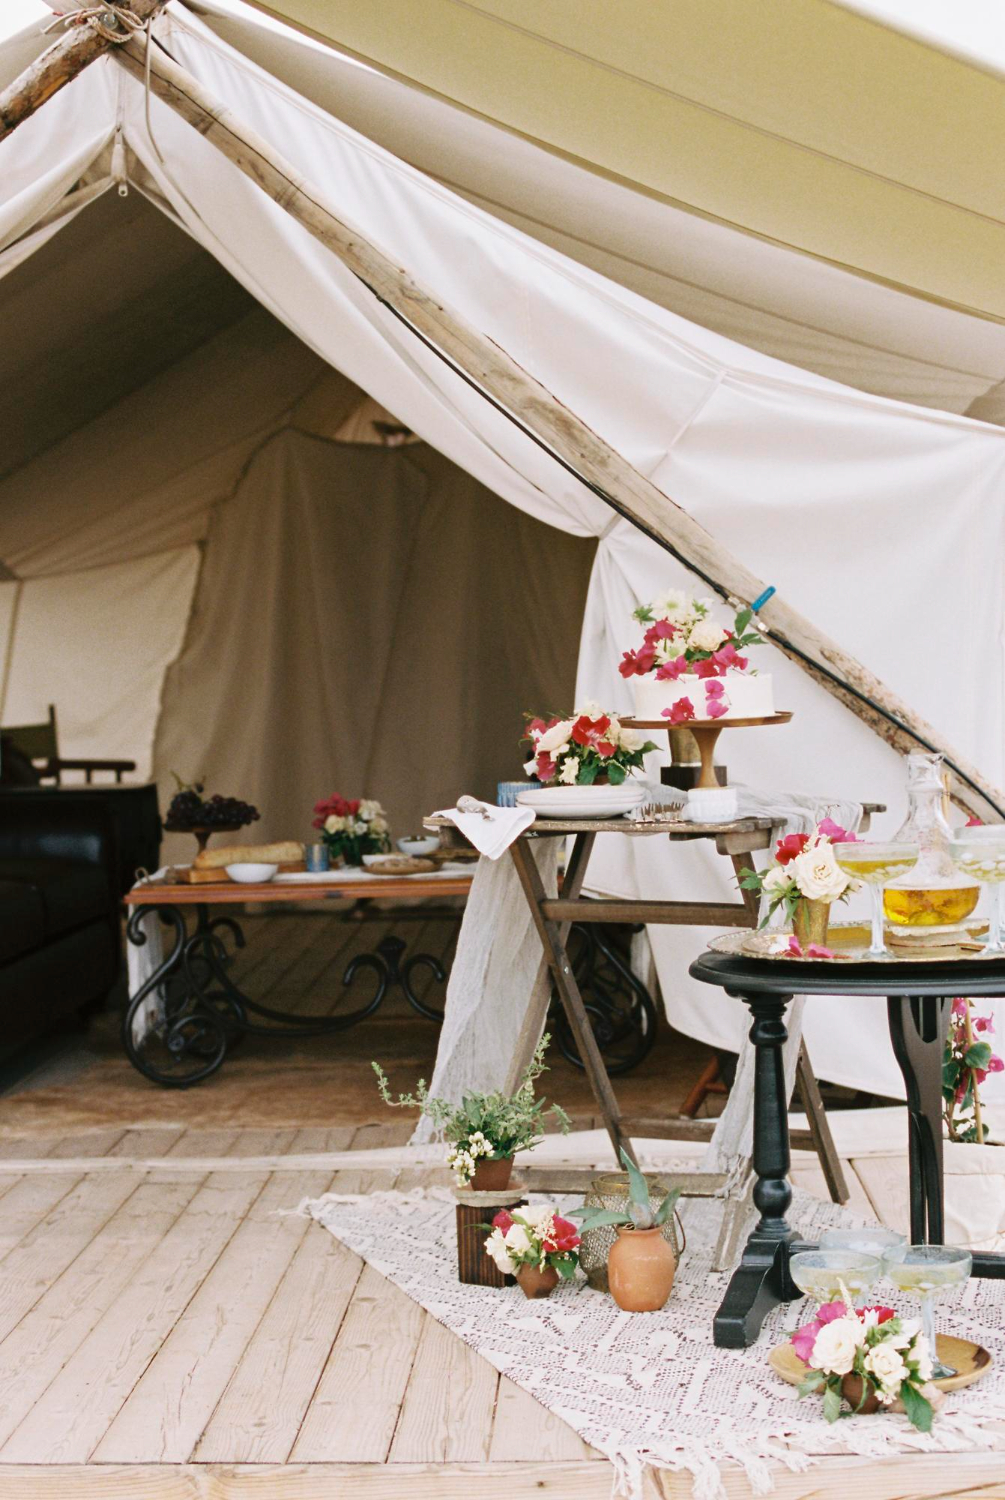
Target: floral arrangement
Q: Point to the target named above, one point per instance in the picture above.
(537, 1237)
(803, 869)
(888, 1354)
(968, 1059)
(483, 1126)
(580, 750)
(681, 638)
(352, 829)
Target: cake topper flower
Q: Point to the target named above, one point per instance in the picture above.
(681, 637)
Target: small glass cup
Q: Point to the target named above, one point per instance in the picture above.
(928, 1272)
(875, 864)
(872, 1240)
(980, 853)
(317, 858)
(826, 1275)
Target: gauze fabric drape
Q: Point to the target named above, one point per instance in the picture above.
(348, 638)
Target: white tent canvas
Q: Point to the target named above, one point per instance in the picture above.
(880, 521)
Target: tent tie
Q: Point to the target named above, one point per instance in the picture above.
(115, 23)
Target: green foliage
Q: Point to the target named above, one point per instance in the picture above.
(638, 1214)
(512, 1122)
(918, 1407)
(832, 1403)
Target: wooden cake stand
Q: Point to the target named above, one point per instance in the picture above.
(706, 733)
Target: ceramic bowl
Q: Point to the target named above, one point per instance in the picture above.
(419, 845)
(251, 874)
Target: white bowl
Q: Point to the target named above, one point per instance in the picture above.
(711, 804)
(582, 801)
(251, 874)
(417, 847)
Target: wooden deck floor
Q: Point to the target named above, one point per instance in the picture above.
(166, 1333)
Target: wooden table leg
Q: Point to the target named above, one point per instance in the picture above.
(553, 941)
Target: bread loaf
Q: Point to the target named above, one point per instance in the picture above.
(287, 853)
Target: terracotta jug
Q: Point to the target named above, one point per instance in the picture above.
(492, 1174)
(640, 1270)
(534, 1282)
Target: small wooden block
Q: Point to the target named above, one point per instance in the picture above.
(474, 1266)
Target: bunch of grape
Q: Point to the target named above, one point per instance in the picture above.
(188, 810)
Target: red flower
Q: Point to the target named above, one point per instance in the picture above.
(502, 1220)
(788, 847)
(589, 732)
(333, 807)
(628, 666)
(708, 668)
(536, 726)
(884, 1314)
(727, 656)
(545, 766)
(671, 670)
(681, 713)
(661, 631)
(564, 1236)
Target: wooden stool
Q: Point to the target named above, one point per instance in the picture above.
(474, 1211)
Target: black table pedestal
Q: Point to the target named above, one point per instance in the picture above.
(762, 1280)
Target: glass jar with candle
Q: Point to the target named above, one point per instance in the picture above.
(934, 894)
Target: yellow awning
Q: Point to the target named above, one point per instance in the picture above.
(797, 121)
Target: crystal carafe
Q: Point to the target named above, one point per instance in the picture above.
(934, 894)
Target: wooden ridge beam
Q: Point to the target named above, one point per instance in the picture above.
(79, 46)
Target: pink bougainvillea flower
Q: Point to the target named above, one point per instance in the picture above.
(545, 767)
(728, 657)
(791, 845)
(817, 950)
(707, 668)
(804, 1338)
(995, 1065)
(714, 689)
(715, 708)
(959, 1006)
(536, 726)
(794, 950)
(973, 822)
(671, 670)
(835, 832)
(831, 1311)
(983, 1023)
(503, 1221)
(662, 630)
(682, 711)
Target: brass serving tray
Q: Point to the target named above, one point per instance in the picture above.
(849, 942)
(969, 1360)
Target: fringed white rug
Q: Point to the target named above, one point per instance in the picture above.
(651, 1388)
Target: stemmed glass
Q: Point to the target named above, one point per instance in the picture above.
(980, 853)
(826, 1275)
(871, 1240)
(876, 864)
(928, 1271)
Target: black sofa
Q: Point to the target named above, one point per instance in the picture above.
(60, 934)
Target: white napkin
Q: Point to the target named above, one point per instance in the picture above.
(493, 831)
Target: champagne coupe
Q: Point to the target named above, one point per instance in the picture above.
(980, 853)
(928, 1271)
(827, 1275)
(872, 1240)
(875, 864)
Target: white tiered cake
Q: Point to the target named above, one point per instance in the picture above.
(743, 695)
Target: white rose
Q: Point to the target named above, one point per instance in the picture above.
(516, 1238)
(776, 880)
(886, 1365)
(557, 735)
(530, 767)
(591, 709)
(818, 874)
(569, 771)
(706, 636)
(334, 824)
(496, 1247)
(630, 740)
(835, 1345)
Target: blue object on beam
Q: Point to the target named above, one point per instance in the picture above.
(762, 599)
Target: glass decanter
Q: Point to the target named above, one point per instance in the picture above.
(934, 895)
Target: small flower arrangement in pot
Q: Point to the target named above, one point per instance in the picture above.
(870, 1358)
(804, 879)
(536, 1245)
(485, 1130)
(588, 749)
(352, 828)
(641, 1265)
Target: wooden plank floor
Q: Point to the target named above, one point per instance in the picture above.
(169, 1333)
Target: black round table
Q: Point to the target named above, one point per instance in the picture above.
(918, 998)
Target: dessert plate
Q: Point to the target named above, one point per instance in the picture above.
(582, 801)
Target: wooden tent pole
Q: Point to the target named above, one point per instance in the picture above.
(59, 64)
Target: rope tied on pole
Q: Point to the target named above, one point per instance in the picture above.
(114, 23)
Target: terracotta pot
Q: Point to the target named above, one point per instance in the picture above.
(851, 1390)
(492, 1174)
(640, 1270)
(534, 1282)
(810, 922)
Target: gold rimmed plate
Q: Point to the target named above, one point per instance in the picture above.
(970, 1361)
(849, 942)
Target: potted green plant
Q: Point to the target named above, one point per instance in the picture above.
(641, 1265)
(484, 1130)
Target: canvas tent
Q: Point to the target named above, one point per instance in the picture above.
(882, 522)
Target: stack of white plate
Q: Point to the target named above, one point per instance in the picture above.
(583, 801)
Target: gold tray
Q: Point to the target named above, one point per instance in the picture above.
(849, 941)
(970, 1361)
